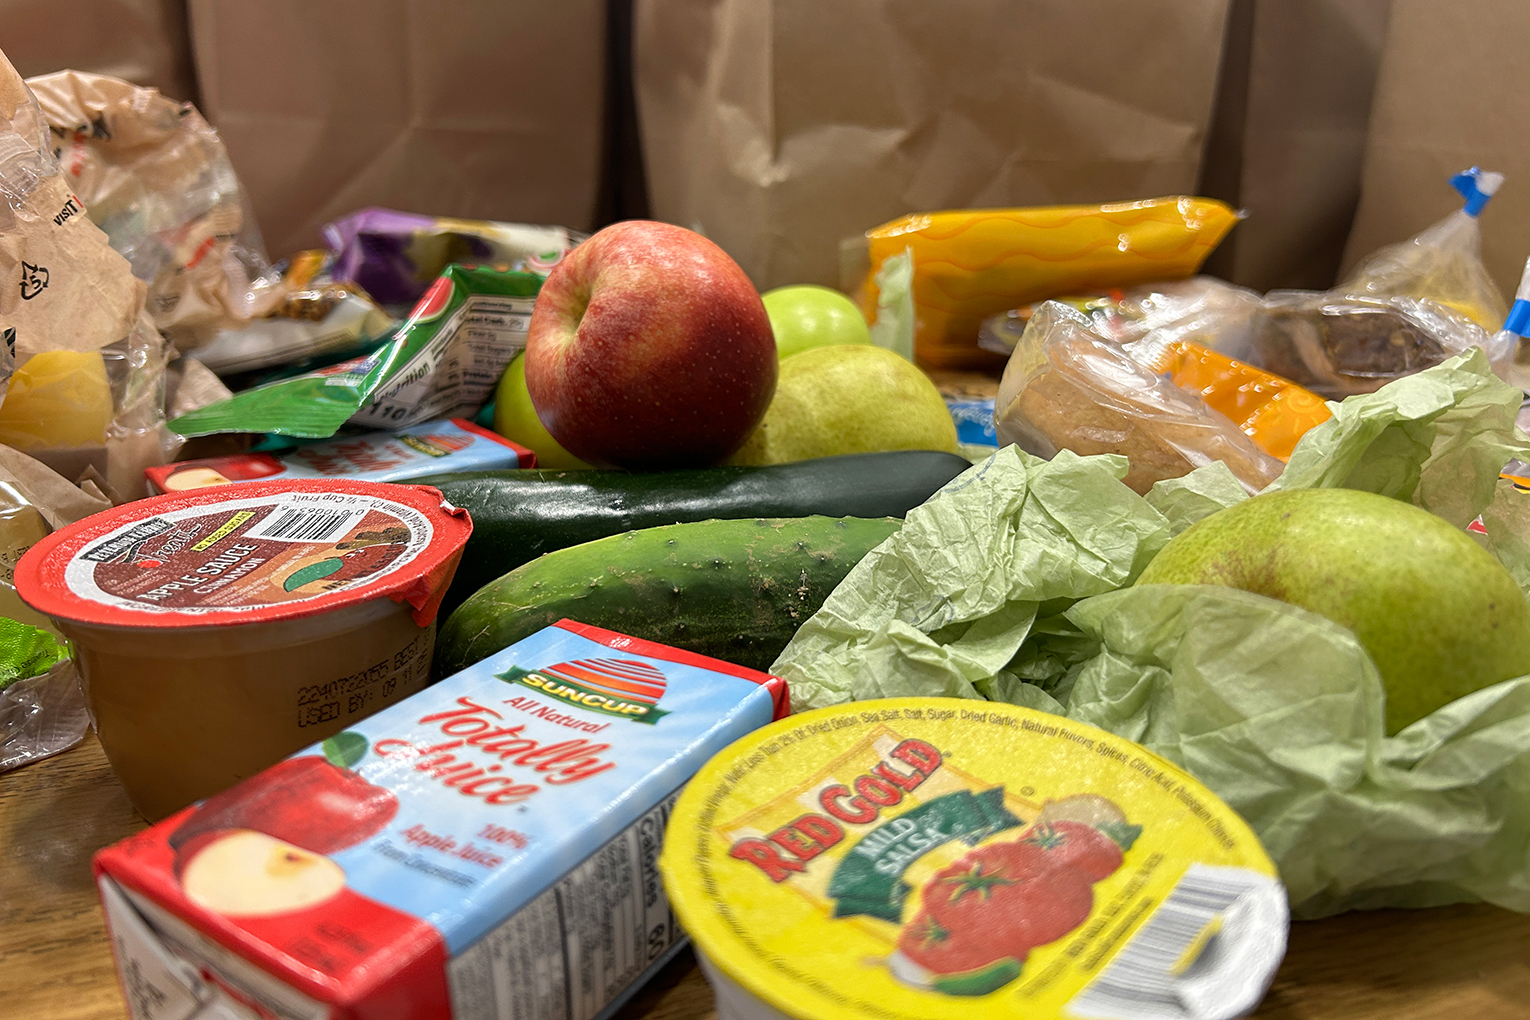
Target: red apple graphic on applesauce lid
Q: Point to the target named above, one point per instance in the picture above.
(259, 847)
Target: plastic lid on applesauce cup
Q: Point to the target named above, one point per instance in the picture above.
(255, 553)
(925, 858)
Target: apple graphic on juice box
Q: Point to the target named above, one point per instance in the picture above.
(649, 349)
(260, 847)
(245, 873)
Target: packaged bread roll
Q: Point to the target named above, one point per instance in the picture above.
(1066, 387)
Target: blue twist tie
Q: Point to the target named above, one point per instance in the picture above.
(1518, 321)
(1466, 183)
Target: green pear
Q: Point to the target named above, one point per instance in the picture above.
(1439, 615)
(849, 398)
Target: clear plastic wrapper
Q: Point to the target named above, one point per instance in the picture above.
(1338, 346)
(1508, 342)
(155, 176)
(1442, 263)
(41, 716)
(319, 316)
(1067, 387)
(1406, 307)
(1203, 309)
(42, 708)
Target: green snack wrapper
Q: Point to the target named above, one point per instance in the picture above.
(443, 362)
(1012, 583)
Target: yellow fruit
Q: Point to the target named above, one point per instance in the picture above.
(57, 399)
(516, 419)
(851, 398)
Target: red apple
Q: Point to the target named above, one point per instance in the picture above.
(305, 801)
(648, 349)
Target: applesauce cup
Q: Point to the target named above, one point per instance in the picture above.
(219, 630)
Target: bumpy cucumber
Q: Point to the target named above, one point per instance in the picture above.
(734, 590)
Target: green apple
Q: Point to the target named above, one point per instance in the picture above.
(804, 316)
(1439, 615)
(852, 398)
(516, 419)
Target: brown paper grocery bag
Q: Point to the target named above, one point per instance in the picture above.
(781, 127)
(1288, 136)
(480, 111)
(142, 41)
(1450, 94)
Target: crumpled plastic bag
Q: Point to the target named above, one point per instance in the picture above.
(155, 176)
(1405, 307)
(42, 706)
(41, 715)
(1067, 387)
(86, 394)
(1442, 263)
(1338, 345)
(1011, 584)
(1202, 309)
(319, 317)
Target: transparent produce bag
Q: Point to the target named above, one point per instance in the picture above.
(1405, 308)
(1068, 388)
(41, 713)
(319, 316)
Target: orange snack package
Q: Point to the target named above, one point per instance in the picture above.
(970, 264)
(1272, 411)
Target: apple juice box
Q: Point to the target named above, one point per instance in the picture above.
(484, 849)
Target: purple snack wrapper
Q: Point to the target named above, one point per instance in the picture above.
(395, 256)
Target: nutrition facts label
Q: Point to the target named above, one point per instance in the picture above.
(455, 372)
(568, 953)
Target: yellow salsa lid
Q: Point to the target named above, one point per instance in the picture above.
(919, 858)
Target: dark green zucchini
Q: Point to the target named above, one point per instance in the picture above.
(734, 590)
(519, 515)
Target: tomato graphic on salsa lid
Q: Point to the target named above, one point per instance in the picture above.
(981, 916)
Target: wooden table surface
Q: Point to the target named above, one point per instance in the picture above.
(1447, 963)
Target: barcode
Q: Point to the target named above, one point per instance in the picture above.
(1140, 982)
(306, 524)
